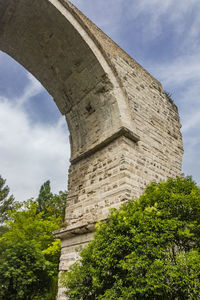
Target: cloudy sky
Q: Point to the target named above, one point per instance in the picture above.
(163, 36)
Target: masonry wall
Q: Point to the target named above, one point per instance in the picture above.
(118, 172)
(156, 120)
(120, 168)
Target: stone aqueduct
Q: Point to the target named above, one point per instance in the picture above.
(124, 131)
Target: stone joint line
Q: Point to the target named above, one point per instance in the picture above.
(123, 131)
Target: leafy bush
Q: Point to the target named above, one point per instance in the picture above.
(148, 249)
(29, 255)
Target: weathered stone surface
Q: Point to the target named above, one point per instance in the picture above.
(124, 131)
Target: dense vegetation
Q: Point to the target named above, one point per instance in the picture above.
(148, 249)
(29, 255)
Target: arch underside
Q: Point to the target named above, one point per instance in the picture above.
(49, 42)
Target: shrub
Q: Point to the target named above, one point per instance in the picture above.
(148, 249)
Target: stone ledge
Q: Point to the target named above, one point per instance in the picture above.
(123, 131)
(74, 230)
(65, 233)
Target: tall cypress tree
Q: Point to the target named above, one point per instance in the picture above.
(51, 204)
(7, 203)
(44, 197)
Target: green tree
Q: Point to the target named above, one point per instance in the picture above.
(29, 255)
(7, 203)
(44, 196)
(51, 203)
(148, 249)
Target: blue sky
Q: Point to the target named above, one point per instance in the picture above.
(163, 36)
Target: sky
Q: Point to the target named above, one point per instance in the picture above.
(163, 36)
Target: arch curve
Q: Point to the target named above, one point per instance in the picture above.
(50, 40)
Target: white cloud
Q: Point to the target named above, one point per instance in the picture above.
(31, 154)
(32, 89)
(178, 71)
(192, 121)
(191, 162)
(158, 12)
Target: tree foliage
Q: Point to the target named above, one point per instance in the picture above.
(149, 249)
(51, 204)
(7, 202)
(29, 254)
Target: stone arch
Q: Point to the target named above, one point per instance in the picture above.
(53, 43)
(125, 132)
